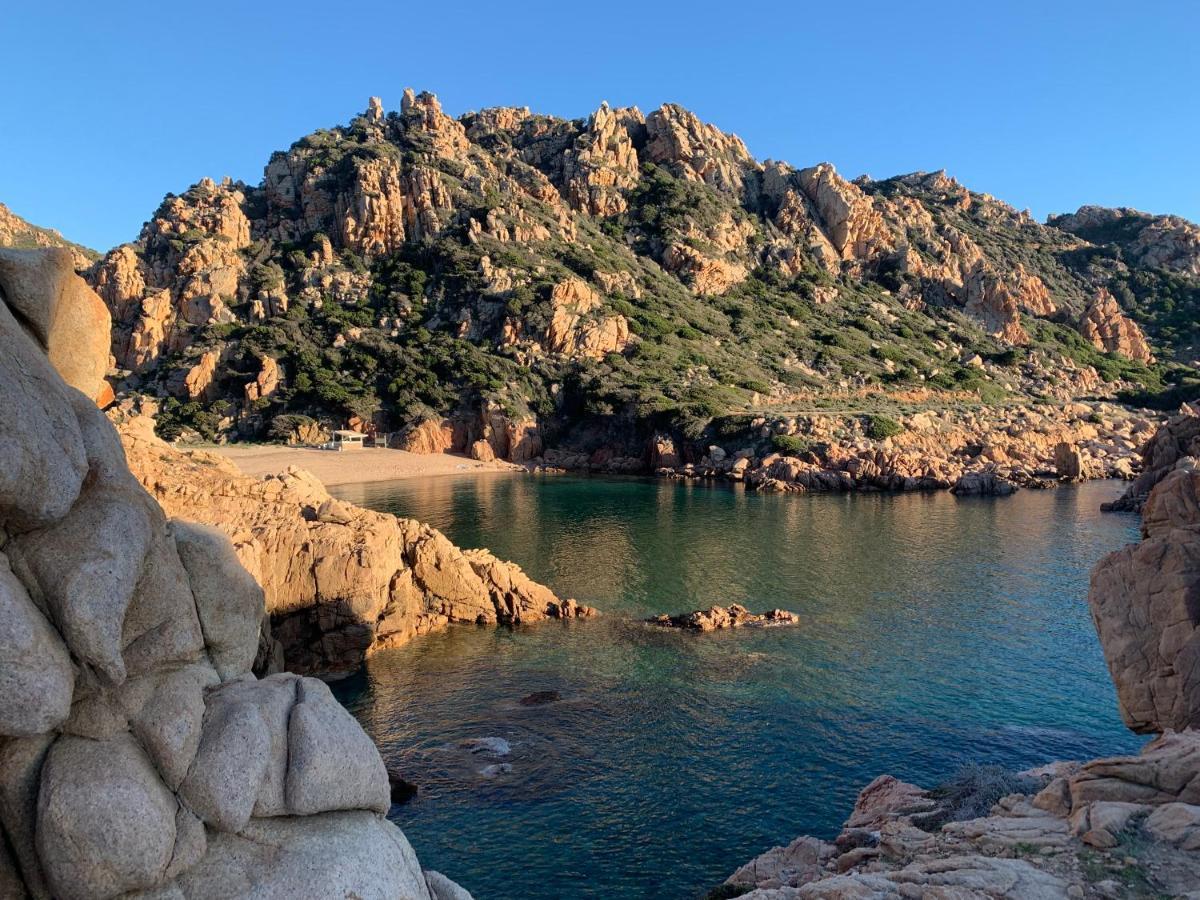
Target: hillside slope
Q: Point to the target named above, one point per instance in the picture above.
(585, 284)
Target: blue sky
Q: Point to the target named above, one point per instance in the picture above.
(1047, 105)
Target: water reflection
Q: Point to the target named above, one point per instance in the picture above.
(933, 631)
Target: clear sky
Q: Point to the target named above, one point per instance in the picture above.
(1047, 104)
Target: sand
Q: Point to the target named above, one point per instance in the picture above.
(355, 466)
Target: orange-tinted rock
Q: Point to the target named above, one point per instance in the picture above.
(1110, 330)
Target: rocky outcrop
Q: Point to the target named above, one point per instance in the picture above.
(1177, 440)
(1110, 330)
(138, 754)
(184, 273)
(854, 227)
(64, 314)
(696, 150)
(603, 164)
(1144, 604)
(1042, 833)
(576, 329)
(1165, 242)
(340, 582)
(717, 617)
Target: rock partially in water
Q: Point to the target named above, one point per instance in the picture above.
(402, 790)
(340, 582)
(983, 484)
(733, 616)
(540, 698)
(1143, 602)
(1174, 443)
(1130, 814)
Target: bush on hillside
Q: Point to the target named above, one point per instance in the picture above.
(881, 427)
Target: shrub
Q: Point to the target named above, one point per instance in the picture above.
(973, 790)
(282, 426)
(790, 444)
(881, 427)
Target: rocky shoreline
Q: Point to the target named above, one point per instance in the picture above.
(1125, 826)
(963, 452)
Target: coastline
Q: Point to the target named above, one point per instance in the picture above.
(368, 465)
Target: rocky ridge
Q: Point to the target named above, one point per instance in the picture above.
(600, 280)
(139, 757)
(1119, 827)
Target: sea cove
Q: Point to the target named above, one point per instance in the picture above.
(934, 631)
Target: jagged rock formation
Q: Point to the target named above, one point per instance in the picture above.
(1164, 242)
(340, 581)
(602, 279)
(138, 755)
(1110, 330)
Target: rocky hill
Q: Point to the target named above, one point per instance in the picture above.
(584, 285)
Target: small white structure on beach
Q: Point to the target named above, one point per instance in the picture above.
(347, 440)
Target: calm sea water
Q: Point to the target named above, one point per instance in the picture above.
(934, 631)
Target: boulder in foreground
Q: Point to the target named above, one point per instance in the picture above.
(139, 757)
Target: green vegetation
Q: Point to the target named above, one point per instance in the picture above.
(881, 427)
(790, 444)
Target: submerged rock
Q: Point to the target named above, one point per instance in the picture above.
(540, 698)
(402, 790)
(493, 746)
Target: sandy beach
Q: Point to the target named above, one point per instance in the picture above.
(355, 466)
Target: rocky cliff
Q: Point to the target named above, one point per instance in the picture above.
(1118, 827)
(139, 757)
(587, 284)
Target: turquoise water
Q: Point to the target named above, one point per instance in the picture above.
(934, 631)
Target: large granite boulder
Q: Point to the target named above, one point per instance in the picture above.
(63, 314)
(138, 755)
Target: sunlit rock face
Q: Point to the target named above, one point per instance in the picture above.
(138, 754)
